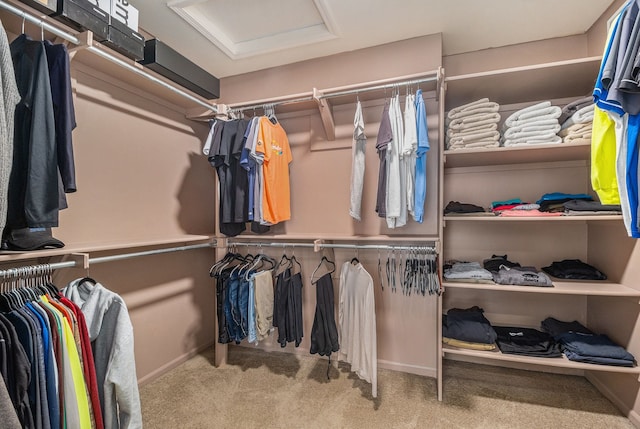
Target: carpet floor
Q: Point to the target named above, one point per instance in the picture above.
(258, 389)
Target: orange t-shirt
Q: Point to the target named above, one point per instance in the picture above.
(274, 144)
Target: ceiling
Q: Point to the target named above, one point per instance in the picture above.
(230, 37)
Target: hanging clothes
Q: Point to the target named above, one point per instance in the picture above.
(357, 319)
(396, 210)
(33, 186)
(9, 99)
(617, 118)
(384, 140)
(324, 333)
(111, 335)
(46, 360)
(409, 147)
(421, 159)
(287, 306)
(273, 145)
(8, 415)
(358, 156)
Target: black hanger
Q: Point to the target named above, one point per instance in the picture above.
(324, 259)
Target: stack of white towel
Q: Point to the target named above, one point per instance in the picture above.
(578, 126)
(474, 125)
(537, 124)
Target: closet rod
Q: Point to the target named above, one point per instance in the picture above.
(333, 246)
(99, 260)
(73, 39)
(377, 87)
(272, 103)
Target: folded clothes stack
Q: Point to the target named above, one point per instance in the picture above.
(471, 272)
(590, 208)
(468, 328)
(537, 124)
(574, 269)
(474, 125)
(578, 126)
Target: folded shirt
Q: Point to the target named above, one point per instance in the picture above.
(529, 213)
(592, 345)
(505, 202)
(494, 263)
(574, 269)
(468, 345)
(581, 116)
(458, 207)
(467, 270)
(556, 327)
(468, 325)
(526, 342)
(521, 276)
(592, 206)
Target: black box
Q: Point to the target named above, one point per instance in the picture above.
(170, 64)
(45, 6)
(83, 15)
(122, 39)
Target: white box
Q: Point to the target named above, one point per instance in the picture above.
(124, 12)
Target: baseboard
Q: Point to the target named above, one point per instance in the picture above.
(173, 363)
(411, 369)
(633, 416)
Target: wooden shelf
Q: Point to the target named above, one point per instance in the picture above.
(560, 362)
(518, 155)
(590, 218)
(10, 256)
(560, 79)
(328, 237)
(589, 288)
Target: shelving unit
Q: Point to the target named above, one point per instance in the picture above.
(488, 174)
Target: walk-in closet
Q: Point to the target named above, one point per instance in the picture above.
(319, 214)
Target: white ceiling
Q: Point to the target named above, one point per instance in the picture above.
(229, 37)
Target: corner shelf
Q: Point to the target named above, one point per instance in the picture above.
(559, 362)
(589, 288)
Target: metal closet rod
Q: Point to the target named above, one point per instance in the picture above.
(239, 108)
(332, 246)
(378, 87)
(73, 39)
(102, 259)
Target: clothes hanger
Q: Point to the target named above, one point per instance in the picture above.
(380, 279)
(355, 260)
(331, 270)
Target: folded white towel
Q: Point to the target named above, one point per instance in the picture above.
(474, 121)
(542, 110)
(466, 131)
(531, 135)
(480, 144)
(572, 138)
(533, 124)
(467, 106)
(576, 129)
(533, 141)
(513, 133)
(487, 135)
(488, 107)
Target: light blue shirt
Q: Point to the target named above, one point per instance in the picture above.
(420, 191)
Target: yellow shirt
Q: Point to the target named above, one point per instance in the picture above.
(603, 158)
(76, 402)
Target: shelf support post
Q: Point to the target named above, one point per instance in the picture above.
(326, 115)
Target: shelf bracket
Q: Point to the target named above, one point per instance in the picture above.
(317, 245)
(326, 115)
(86, 40)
